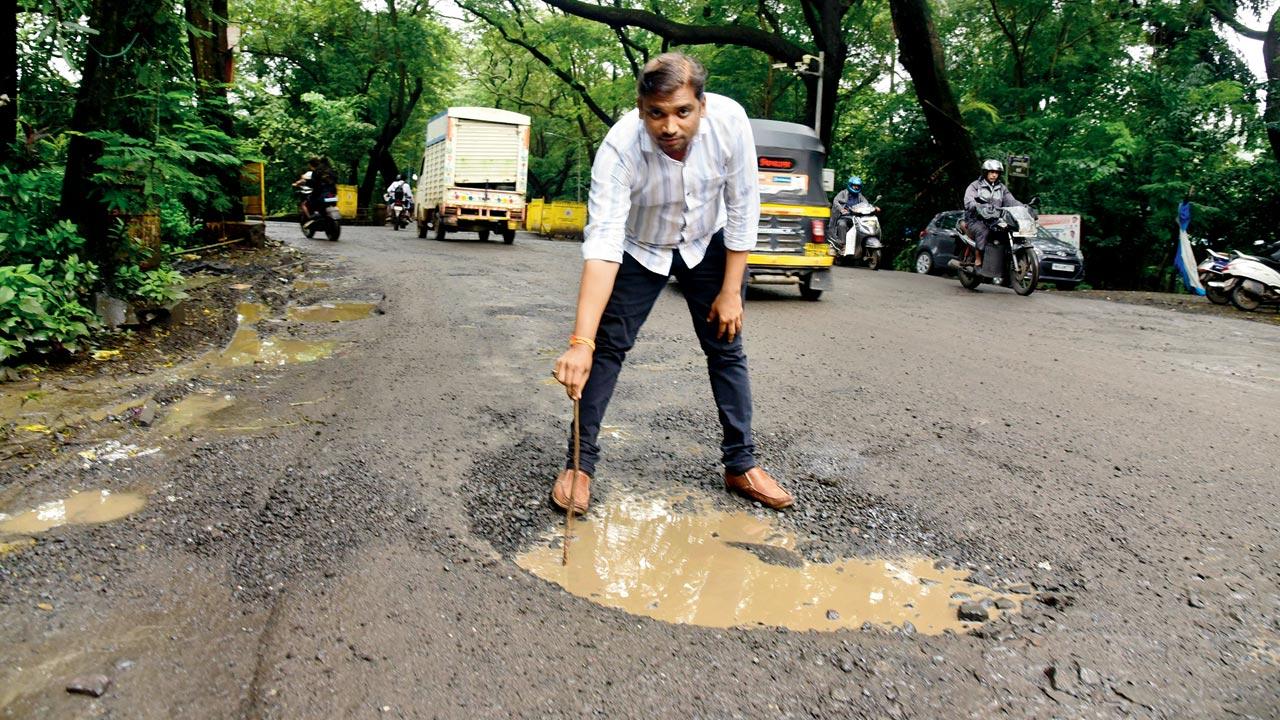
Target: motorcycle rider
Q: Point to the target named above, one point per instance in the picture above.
(841, 205)
(321, 181)
(982, 202)
(400, 190)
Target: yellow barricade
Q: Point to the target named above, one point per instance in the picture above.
(563, 217)
(347, 201)
(533, 215)
(254, 201)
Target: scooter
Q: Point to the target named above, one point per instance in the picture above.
(1251, 280)
(329, 219)
(1211, 277)
(862, 240)
(1010, 259)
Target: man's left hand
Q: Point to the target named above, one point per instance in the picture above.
(727, 312)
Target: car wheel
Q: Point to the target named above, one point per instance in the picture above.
(924, 262)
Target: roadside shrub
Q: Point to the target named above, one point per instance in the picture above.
(41, 303)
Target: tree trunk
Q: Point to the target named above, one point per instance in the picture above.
(9, 87)
(211, 67)
(920, 52)
(110, 97)
(1271, 61)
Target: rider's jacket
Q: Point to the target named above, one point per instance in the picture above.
(982, 198)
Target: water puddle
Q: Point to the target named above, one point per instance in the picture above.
(86, 508)
(332, 312)
(195, 410)
(248, 348)
(678, 560)
(34, 408)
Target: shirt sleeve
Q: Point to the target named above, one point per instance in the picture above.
(608, 205)
(971, 196)
(742, 185)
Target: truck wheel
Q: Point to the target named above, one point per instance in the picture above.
(508, 236)
(484, 234)
(439, 229)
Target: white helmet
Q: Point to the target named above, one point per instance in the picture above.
(989, 165)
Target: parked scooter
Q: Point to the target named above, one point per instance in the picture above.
(1010, 258)
(1211, 277)
(1252, 280)
(861, 240)
(327, 219)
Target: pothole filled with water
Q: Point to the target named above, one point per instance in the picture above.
(332, 312)
(677, 559)
(86, 508)
(248, 348)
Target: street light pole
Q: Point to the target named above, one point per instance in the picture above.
(801, 67)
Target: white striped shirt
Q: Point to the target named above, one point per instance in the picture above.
(646, 204)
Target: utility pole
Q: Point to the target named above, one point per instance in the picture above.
(802, 68)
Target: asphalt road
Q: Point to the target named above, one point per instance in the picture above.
(355, 556)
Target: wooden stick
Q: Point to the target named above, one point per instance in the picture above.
(573, 487)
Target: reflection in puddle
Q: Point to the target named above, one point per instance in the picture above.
(250, 313)
(195, 410)
(84, 508)
(246, 348)
(681, 561)
(332, 312)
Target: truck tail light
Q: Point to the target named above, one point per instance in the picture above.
(819, 230)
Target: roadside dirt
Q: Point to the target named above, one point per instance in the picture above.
(1181, 303)
(338, 537)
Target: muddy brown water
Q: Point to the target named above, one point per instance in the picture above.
(85, 508)
(332, 312)
(676, 559)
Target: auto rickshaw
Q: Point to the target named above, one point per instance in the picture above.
(791, 247)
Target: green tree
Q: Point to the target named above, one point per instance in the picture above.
(389, 59)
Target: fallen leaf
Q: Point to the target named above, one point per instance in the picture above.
(45, 606)
(36, 427)
(105, 354)
(240, 286)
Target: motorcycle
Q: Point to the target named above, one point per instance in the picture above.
(1010, 259)
(861, 241)
(329, 219)
(1211, 277)
(399, 211)
(1251, 280)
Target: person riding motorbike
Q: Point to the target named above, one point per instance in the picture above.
(841, 205)
(303, 184)
(321, 182)
(400, 190)
(982, 202)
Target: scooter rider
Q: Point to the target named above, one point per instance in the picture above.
(323, 182)
(841, 206)
(982, 202)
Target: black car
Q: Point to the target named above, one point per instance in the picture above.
(1060, 263)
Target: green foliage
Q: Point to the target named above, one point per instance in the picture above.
(158, 285)
(43, 280)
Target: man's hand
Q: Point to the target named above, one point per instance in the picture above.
(572, 369)
(727, 311)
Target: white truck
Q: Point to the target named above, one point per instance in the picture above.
(474, 171)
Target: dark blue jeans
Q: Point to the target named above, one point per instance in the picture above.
(634, 292)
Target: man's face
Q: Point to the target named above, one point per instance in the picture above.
(672, 120)
(992, 176)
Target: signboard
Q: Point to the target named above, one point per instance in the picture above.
(1064, 227)
(1019, 166)
(776, 183)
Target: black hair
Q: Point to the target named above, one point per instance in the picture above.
(669, 72)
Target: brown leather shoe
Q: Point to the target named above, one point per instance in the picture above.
(581, 491)
(756, 484)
